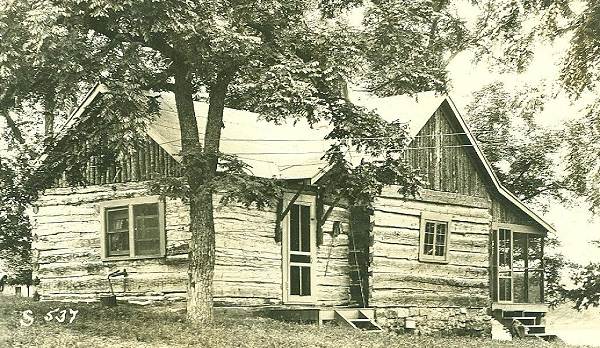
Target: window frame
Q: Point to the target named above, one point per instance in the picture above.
(524, 230)
(130, 203)
(436, 219)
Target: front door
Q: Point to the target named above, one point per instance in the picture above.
(299, 247)
(518, 266)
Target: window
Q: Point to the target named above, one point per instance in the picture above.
(133, 228)
(518, 252)
(434, 235)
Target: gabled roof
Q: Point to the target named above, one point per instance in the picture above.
(294, 150)
(285, 151)
(488, 168)
(414, 110)
(417, 110)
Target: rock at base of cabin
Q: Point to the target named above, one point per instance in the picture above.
(436, 321)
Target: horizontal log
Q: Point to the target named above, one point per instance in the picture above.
(67, 244)
(465, 227)
(246, 289)
(428, 282)
(268, 275)
(337, 280)
(245, 301)
(399, 298)
(240, 258)
(397, 219)
(416, 207)
(146, 283)
(270, 249)
(104, 268)
(327, 252)
(333, 269)
(88, 220)
(382, 265)
(66, 210)
(92, 189)
(433, 196)
(397, 235)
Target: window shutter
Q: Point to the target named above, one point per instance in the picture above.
(278, 220)
(319, 216)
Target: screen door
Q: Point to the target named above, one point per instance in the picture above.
(300, 252)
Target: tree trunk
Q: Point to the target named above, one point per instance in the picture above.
(199, 168)
(201, 224)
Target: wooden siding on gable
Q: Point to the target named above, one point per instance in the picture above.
(445, 158)
(144, 163)
(504, 211)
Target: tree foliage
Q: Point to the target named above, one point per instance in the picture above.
(586, 292)
(522, 152)
(508, 34)
(510, 31)
(15, 230)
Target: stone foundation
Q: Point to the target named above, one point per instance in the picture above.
(436, 320)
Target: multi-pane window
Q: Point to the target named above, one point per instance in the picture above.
(434, 238)
(133, 228)
(505, 265)
(117, 231)
(518, 264)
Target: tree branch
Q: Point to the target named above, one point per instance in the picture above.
(7, 101)
(155, 41)
(13, 128)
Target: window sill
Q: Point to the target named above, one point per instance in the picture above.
(131, 258)
(432, 260)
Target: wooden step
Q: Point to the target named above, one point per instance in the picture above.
(523, 320)
(327, 314)
(356, 319)
(535, 329)
(542, 335)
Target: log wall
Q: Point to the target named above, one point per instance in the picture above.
(67, 255)
(403, 284)
(248, 270)
(333, 268)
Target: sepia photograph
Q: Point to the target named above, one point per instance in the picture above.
(299, 173)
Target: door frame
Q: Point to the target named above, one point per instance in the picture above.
(311, 201)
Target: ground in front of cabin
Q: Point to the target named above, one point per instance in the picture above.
(156, 326)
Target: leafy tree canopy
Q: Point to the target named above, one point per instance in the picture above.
(508, 33)
(522, 152)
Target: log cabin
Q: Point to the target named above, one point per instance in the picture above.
(461, 254)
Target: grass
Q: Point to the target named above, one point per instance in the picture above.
(134, 326)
